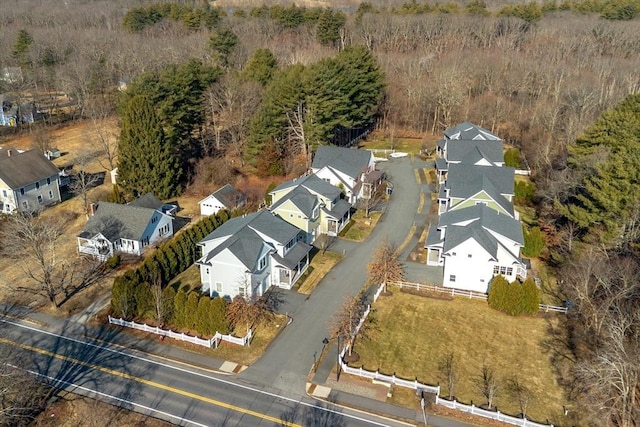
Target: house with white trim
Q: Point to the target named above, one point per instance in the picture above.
(28, 181)
(474, 244)
(311, 204)
(226, 197)
(130, 228)
(469, 185)
(247, 255)
(348, 169)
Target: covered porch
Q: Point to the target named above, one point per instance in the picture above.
(98, 247)
(287, 270)
(337, 218)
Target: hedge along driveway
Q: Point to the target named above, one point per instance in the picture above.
(414, 332)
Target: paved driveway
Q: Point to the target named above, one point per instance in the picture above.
(287, 362)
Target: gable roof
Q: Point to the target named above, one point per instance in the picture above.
(466, 180)
(483, 217)
(261, 222)
(350, 161)
(469, 131)
(313, 184)
(115, 221)
(229, 196)
(149, 201)
(301, 198)
(20, 169)
(470, 152)
(245, 245)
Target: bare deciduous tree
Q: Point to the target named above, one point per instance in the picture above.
(81, 182)
(34, 241)
(520, 393)
(487, 384)
(22, 395)
(448, 369)
(346, 319)
(385, 266)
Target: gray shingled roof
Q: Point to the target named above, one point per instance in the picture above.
(441, 164)
(349, 161)
(229, 196)
(464, 180)
(246, 245)
(115, 221)
(339, 209)
(456, 235)
(301, 198)
(294, 256)
(263, 222)
(433, 238)
(469, 131)
(21, 169)
(149, 201)
(313, 184)
(485, 217)
(486, 186)
(471, 151)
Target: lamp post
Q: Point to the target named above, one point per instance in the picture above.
(338, 361)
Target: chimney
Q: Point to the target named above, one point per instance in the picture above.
(8, 153)
(92, 209)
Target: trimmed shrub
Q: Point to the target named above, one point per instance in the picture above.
(191, 310)
(179, 306)
(513, 158)
(113, 262)
(531, 297)
(144, 301)
(498, 298)
(534, 242)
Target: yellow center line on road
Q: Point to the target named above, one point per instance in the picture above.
(151, 383)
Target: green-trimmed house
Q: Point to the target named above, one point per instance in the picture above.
(311, 204)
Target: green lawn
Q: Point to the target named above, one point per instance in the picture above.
(414, 332)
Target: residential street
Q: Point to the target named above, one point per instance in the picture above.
(288, 360)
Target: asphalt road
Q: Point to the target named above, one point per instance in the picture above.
(179, 394)
(289, 358)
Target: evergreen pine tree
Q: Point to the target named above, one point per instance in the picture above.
(261, 66)
(203, 324)
(531, 297)
(179, 307)
(191, 310)
(218, 315)
(144, 300)
(498, 290)
(146, 162)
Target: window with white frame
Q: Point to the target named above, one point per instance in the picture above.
(40, 199)
(452, 277)
(501, 269)
(50, 194)
(48, 181)
(263, 263)
(25, 204)
(219, 287)
(242, 291)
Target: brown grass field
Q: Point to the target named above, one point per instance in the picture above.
(418, 331)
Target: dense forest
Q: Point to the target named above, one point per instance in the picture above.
(258, 86)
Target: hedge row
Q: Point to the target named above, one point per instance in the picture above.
(514, 298)
(135, 293)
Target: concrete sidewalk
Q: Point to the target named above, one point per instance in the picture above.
(364, 395)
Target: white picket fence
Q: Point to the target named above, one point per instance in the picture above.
(415, 385)
(465, 293)
(213, 342)
(494, 415)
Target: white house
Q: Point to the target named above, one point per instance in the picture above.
(225, 197)
(246, 255)
(346, 168)
(127, 228)
(28, 181)
(474, 244)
